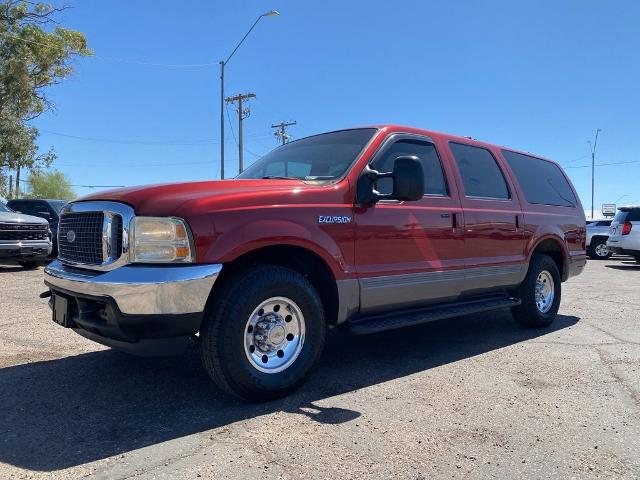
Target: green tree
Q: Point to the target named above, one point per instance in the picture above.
(53, 184)
(35, 54)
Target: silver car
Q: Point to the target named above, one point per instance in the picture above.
(24, 239)
(624, 234)
(597, 235)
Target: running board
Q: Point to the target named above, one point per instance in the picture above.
(408, 318)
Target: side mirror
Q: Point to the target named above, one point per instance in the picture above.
(45, 215)
(408, 182)
(408, 179)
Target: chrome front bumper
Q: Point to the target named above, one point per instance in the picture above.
(140, 289)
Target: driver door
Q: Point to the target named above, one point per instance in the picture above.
(410, 253)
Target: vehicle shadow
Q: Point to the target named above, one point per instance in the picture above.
(11, 269)
(66, 412)
(632, 265)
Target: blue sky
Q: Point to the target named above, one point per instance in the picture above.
(540, 76)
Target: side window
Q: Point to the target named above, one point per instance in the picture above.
(542, 181)
(434, 179)
(481, 175)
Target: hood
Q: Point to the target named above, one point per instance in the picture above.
(15, 217)
(178, 198)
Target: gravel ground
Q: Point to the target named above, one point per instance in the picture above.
(476, 397)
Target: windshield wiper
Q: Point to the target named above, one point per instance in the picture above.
(279, 177)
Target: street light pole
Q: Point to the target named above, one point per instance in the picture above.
(222, 120)
(223, 63)
(593, 171)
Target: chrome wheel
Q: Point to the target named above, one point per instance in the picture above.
(602, 250)
(274, 335)
(545, 291)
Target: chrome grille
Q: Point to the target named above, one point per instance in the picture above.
(80, 238)
(21, 231)
(100, 238)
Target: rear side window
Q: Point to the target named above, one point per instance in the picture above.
(627, 216)
(481, 175)
(434, 180)
(542, 182)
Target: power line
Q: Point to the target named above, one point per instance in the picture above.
(606, 164)
(85, 186)
(93, 165)
(204, 141)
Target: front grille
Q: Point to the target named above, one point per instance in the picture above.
(21, 231)
(84, 245)
(117, 227)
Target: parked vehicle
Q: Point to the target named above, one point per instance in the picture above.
(49, 209)
(24, 239)
(597, 235)
(370, 229)
(624, 235)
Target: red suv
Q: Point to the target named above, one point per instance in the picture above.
(369, 229)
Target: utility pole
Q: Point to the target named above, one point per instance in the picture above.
(281, 130)
(10, 186)
(242, 114)
(593, 170)
(18, 181)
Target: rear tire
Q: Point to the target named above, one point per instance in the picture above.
(29, 265)
(263, 334)
(540, 293)
(598, 249)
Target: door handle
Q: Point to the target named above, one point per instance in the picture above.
(517, 222)
(445, 215)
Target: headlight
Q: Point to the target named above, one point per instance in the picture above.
(160, 240)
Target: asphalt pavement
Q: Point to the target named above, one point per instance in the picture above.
(476, 397)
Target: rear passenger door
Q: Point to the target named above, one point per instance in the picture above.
(494, 239)
(410, 253)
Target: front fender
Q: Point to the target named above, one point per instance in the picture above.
(333, 243)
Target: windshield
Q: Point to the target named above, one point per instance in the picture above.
(321, 157)
(4, 208)
(57, 205)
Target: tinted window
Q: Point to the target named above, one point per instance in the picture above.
(321, 157)
(434, 181)
(481, 175)
(627, 215)
(28, 208)
(541, 181)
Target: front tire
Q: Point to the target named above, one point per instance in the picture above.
(264, 333)
(540, 293)
(598, 250)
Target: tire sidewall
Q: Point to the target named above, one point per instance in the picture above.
(231, 339)
(547, 264)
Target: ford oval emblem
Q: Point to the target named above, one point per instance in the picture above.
(71, 236)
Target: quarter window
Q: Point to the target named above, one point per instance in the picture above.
(542, 181)
(481, 175)
(434, 179)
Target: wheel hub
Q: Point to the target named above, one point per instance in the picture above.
(544, 291)
(270, 332)
(274, 335)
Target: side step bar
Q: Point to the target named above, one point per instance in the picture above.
(408, 318)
